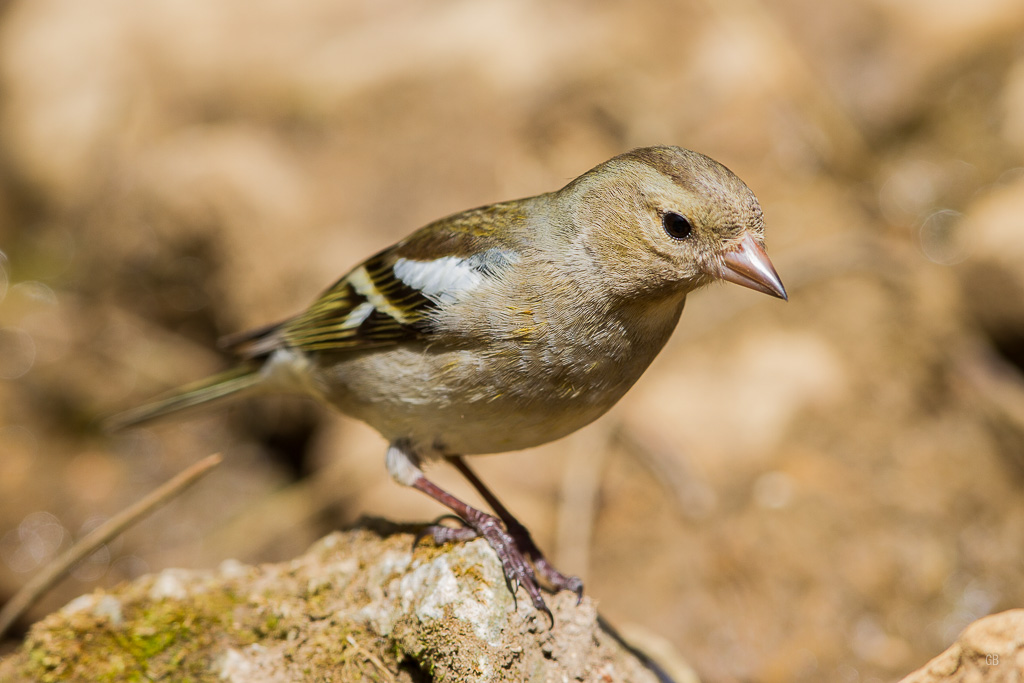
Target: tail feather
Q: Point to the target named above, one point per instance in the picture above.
(210, 389)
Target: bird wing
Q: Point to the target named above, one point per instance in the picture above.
(390, 298)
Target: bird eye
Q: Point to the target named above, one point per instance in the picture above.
(678, 227)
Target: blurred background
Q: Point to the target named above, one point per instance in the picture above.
(828, 489)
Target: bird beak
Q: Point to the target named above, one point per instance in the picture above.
(748, 265)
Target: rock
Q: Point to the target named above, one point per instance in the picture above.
(989, 650)
(358, 605)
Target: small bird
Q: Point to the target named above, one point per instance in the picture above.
(509, 325)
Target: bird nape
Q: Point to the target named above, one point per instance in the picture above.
(509, 326)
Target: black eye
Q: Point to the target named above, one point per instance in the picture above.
(677, 227)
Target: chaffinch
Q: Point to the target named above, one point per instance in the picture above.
(510, 325)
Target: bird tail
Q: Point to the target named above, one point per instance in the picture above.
(210, 389)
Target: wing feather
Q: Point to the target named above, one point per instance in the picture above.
(373, 306)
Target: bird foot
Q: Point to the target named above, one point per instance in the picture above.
(516, 540)
(552, 576)
(558, 580)
(514, 563)
(441, 534)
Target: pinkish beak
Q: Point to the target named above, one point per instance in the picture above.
(748, 265)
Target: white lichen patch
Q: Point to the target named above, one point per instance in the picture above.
(343, 570)
(110, 607)
(234, 665)
(249, 665)
(483, 663)
(80, 604)
(233, 569)
(487, 601)
(170, 583)
(97, 604)
(428, 588)
(393, 563)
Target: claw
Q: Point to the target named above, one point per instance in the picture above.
(551, 617)
(576, 587)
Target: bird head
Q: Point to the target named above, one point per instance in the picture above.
(666, 219)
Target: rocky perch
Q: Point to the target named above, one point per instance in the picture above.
(357, 606)
(363, 605)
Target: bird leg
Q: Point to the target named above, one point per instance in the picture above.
(404, 467)
(517, 570)
(524, 542)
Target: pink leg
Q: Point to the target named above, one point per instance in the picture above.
(517, 570)
(524, 542)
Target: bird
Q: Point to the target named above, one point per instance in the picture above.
(508, 326)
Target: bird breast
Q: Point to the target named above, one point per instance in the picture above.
(525, 377)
